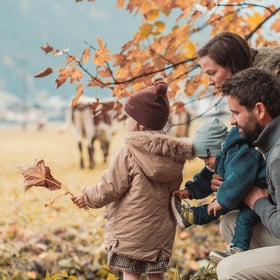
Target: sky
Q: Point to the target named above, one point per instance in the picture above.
(25, 25)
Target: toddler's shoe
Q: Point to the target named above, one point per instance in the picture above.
(182, 212)
(217, 256)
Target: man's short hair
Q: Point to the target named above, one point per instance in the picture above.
(253, 85)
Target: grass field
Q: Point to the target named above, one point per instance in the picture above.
(62, 238)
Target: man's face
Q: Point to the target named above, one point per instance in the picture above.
(246, 121)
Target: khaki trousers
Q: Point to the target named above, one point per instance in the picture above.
(261, 262)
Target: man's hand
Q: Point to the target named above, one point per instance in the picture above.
(216, 182)
(254, 194)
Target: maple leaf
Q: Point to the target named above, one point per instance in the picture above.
(39, 175)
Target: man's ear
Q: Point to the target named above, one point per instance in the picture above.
(260, 110)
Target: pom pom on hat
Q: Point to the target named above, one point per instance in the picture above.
(209, 138)
(150, 107)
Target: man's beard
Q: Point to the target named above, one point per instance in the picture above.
(251, 131)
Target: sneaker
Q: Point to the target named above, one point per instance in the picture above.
(182, 212)
(217, 256)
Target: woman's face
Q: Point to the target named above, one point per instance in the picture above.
(216, 73)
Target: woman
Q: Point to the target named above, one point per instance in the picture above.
(223, 56)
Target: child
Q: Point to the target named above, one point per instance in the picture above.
(240, 165)
(136, 189)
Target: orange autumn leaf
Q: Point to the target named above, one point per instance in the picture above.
(70, 59)
(120, 4)
(276, 25)
(39, 175)
(254, 19)
(44, 73)
(94, 82)
(85, 56)
(64, 73)
(100, 43)
(80, 91)
(76, 75)
(101, 57)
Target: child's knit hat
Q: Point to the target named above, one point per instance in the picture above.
(209, 138)
(150, 107)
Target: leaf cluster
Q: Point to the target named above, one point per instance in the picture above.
(158, 49)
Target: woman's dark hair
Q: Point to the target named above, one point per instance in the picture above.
(229, 50)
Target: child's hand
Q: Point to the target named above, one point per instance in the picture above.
(214, 207)
(181, 194)
(79, 200)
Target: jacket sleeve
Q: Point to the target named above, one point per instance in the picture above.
(112, 185)
(267, 209)
(241, 173)
(200, 186)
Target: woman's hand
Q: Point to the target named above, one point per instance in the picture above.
(216, 181)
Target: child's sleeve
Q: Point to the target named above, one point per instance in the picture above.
(200, 186)
(112, 184)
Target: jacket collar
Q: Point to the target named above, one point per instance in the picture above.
(269, 136)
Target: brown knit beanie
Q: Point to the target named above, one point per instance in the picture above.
(149, 107)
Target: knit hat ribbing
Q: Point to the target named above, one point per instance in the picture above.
(149, 107)
(209, 138)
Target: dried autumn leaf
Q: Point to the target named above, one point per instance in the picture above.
(39, 175)
(61, 80)
(47, 48)
(44, 73)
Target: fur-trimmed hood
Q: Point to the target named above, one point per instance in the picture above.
(164, 150)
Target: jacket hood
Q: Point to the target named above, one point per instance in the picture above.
(154, 151)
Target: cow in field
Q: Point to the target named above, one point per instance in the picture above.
(92, 121)
(179, 120)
